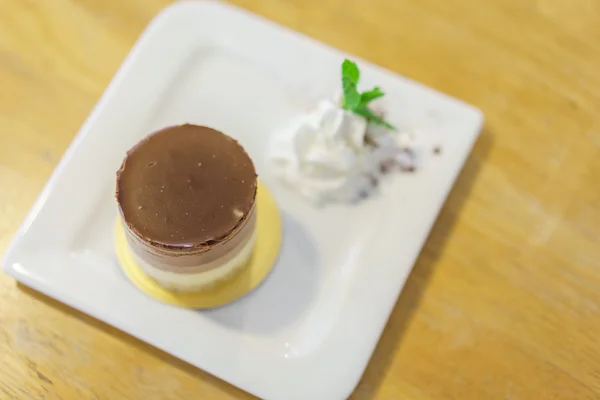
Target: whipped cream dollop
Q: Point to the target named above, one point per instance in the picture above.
(331, 154)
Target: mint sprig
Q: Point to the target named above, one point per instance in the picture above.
(356, 102)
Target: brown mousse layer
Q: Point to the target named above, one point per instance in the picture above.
(186, 196)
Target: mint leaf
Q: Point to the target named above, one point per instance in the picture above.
(356, 102)
(351, 95)
(372, 117)
(350, 76)
(367, 97)
(350, 71)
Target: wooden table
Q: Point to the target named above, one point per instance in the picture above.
(504, 302)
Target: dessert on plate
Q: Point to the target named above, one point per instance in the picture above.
(186, 196)
(338, 151)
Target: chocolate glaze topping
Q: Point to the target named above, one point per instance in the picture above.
(186, 186)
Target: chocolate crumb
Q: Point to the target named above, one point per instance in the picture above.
(387, 166)
(369, 141)
(374, 181)
(406, 160)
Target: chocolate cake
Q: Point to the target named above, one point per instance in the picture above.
(186, 196)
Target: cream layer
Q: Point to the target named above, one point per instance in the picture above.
(218, 270)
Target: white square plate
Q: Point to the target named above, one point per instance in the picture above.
(309, 330)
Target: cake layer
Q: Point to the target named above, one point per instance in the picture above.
(193, 260)
(193, 281)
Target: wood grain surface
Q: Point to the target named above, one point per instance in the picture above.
(504, 301)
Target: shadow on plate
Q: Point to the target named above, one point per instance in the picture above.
(286, 295)
(411, 296)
